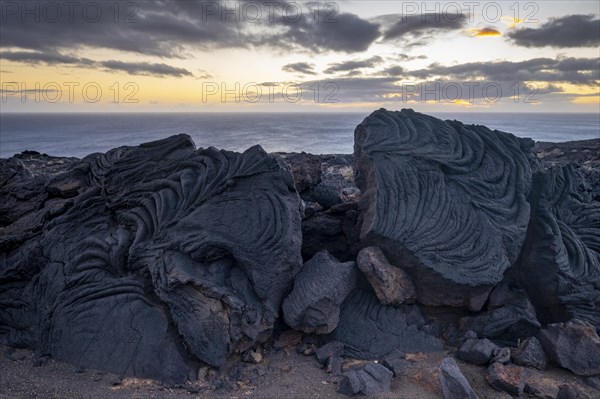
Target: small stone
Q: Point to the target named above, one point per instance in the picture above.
(333, 348)
(311, 350)
(236, 373)
(334, 365)
(253, 357)
(288, 338)
(477, 351)
(501, 355)
(573, 345)
(202, 373)
(566, 392)
(395, 361)
(594, 382)
(531, 354)
(510, 379)
(301, 348)
(262, 372)
(371, 380)
(77, 370)
(453, 382)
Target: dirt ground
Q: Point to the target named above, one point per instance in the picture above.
(284, 374)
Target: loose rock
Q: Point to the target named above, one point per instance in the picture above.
(508, 378)
(331, 349)
(477, 351)
(454, 384)
(574, 345)
(371, 380)
(531, 354)
(392, 285)
(313, 306)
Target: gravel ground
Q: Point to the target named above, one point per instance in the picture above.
(284, 374)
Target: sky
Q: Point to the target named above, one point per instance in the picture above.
(295, 56)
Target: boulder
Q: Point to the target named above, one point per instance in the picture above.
(329, 350)
(573, 345)
(560, 261)
(507, 378)
(370, 380)
(313, 306)
(370, 330)
(392, 285)
(509, 317)
(306, 169)
(477, 351)
(166, 257)
(531, 354)
(396, 362)
(453, 382)
(446, 202)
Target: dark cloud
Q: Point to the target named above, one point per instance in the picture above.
(349, 66)
(398, 26)
(299, 67)
(167, 28)
(347, 33)
(584, 71)
(132, 68)
(36, 57)
(393, 71)
(145, 68)
(405, 57)
(568, 31)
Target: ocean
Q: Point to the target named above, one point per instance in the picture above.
(79, 134)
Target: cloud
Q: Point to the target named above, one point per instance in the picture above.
(132, 68)
(394, 71)
(568, 31)
(145, 68)
(405, 57)
(299, 67)
(350, 66)
(485, 32)
(583, 71)
(168, 28)
(398, 26)
(347, 33)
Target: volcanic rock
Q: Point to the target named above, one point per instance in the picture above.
(446, 202)
(531, 354)
(506, 378)
(454, 384)
(392, 285)
(477, 351)
(371, 380)
(560, 263)
(166, 255)
(370, 330)
(574, 345)
(313, 306)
